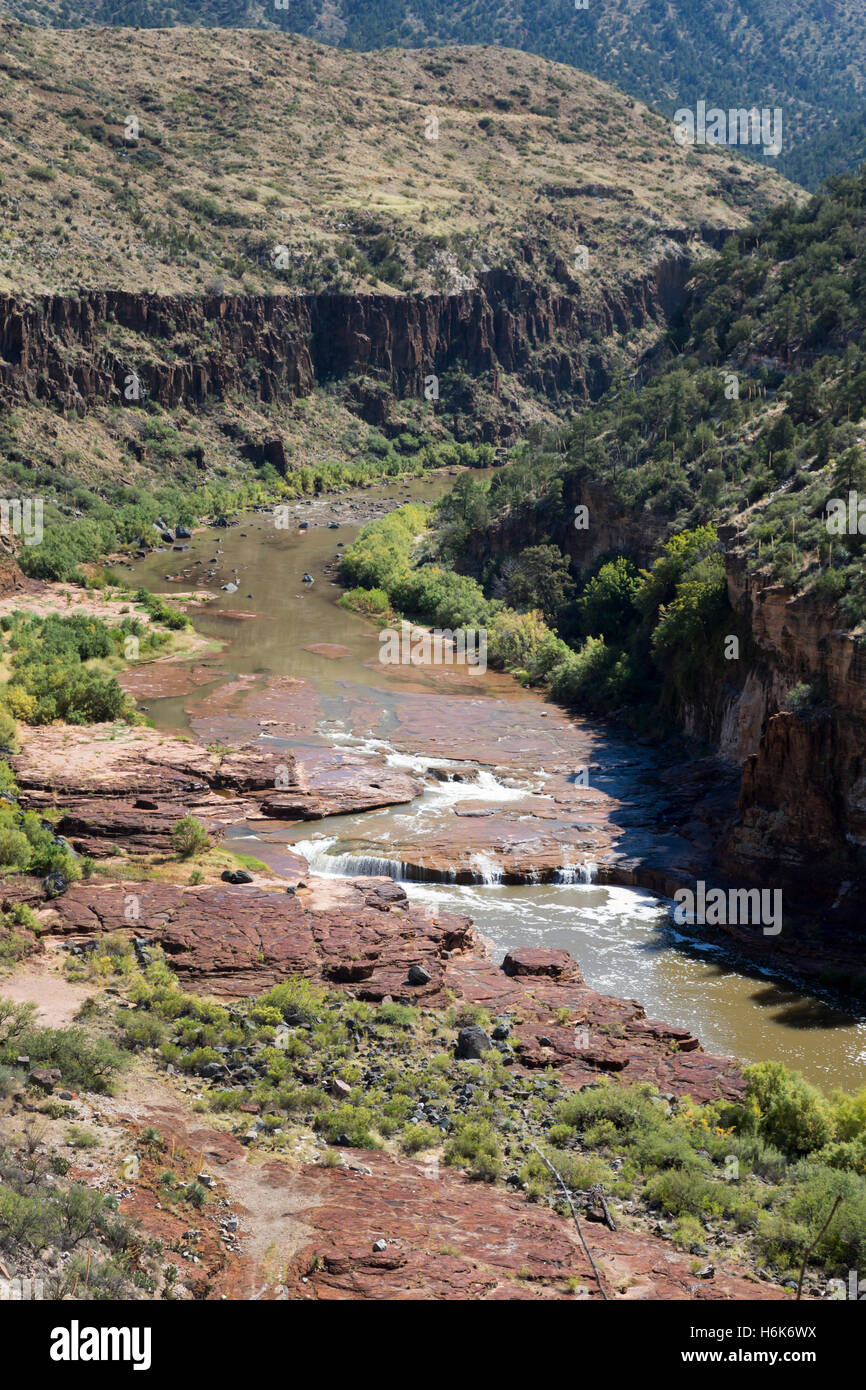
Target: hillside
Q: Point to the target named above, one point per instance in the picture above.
(806, 58)
(250, 142)
(151, 258)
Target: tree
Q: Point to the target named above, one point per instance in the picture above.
(607, 603)
(541, 579)
(850, 470)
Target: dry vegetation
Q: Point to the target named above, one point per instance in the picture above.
(248, 141)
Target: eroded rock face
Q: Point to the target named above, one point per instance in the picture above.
(540, 960)
(801, 821)
(54, 347)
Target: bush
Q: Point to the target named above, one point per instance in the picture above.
(784, 1235)
(397, 1015)
(295, 1001)
(8, 733)
(789, 1113)
(190, 838)
(355, 1122)
(415, 1138)
(372, 601)
(15, 848)
(475, 1146)
(84, 1062)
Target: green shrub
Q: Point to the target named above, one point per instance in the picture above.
(295, 1000)
(15, 849)
(475, 1146)
(785, 1234)
(415, 1138)
(189, 838)
(791, 1115)
(87, 1063)
(397, 1015)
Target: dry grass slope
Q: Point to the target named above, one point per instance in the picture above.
(249, 141)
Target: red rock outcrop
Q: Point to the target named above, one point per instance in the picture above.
(128, 788)
(363, 935)
(447, 1237)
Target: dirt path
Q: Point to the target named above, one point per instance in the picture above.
(56, 999)
(268, 1195)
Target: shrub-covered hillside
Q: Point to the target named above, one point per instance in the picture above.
(736, 440)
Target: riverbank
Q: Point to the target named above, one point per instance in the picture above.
(487, 782)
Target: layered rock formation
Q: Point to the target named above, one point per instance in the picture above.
(127, 788)
(57, 349)
(450, 1238)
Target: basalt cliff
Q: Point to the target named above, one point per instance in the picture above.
(62, 350)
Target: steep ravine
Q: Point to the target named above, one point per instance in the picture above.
(799, 820)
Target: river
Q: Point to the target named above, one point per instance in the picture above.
(430, 718)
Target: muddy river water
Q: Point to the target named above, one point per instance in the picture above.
(275, 625)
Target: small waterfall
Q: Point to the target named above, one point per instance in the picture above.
(321, 861)
(485, 868)
(586, 872)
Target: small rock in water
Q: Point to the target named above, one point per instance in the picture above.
(308, 579)
(230, 588)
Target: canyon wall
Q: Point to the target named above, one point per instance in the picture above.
(78, 351)
(802, 809)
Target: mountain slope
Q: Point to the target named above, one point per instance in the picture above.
(147, 331)
(806, 57)
(249, 142)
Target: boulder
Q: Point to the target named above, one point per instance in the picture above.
(46, 1078)
(472, 1043)
(54, 884)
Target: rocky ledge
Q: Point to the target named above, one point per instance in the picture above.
(362, 935)
(126, 788)
(450, 1238)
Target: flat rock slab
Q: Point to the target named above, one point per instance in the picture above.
(130, 786)
(447, 1237)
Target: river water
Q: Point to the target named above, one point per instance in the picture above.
(622, 937)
